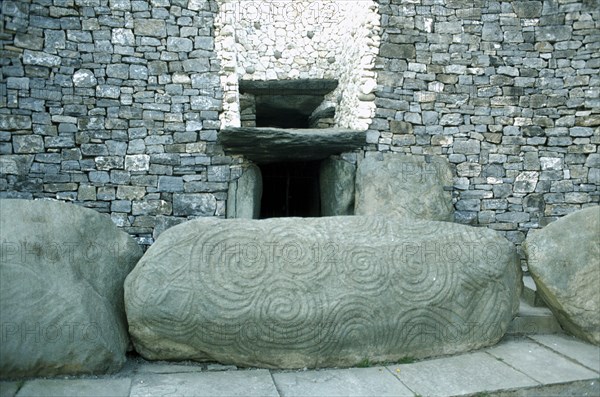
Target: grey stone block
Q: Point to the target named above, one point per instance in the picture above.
(194, 204)
(40, 59)
(170, 184)
(150, 27)
(399, 51)
(492, 32)
(28, 144)
(527, 9)
(421, 181)
(243, 196)
(15, 122)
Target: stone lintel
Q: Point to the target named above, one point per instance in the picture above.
(268, 145)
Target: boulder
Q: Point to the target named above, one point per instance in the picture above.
(564, 261)
(409, 186)
(62, 269)
(320, 292)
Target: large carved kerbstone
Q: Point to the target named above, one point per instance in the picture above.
(564, 260)
(319, 292)
(409, 186)
(62, 269)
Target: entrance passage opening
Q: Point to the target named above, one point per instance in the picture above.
(296, 104)
(289, 111)
(290, 189)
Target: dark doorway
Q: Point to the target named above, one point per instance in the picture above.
(290, 189)
(285, 111)
(270, 116)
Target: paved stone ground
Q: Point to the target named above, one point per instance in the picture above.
(536, 365)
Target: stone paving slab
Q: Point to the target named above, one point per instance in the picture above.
(76, 388)
(353, 382)
(582, 388)
(233, 383)
(460, 375)
(539, 362)
(573, 348)
(537, 365)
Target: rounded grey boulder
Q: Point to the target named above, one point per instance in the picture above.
(564, 260)
(62, 269)
(320, 292)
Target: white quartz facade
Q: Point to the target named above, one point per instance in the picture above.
(286, 40)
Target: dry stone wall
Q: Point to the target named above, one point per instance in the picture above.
(116, 104)
(508, 91)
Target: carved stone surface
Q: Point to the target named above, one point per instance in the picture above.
(319, 292)
(62, 269)
(564, 260)
(406, 185)
(264, 145)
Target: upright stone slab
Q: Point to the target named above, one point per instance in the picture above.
(62, 269)
(564, 260)
(244, 195)
(337, 187)
(320, 292)
(409, 186)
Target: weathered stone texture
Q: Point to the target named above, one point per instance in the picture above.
(564, 260)
(62, 269)
(404, 185)
(334, 291)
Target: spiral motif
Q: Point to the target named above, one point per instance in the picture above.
(258, 293)
(301, 258)
(364, 269)
(289, 314)
(420, 275)
(223, 252)
(350, 323)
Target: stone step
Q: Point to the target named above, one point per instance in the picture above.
(533, 320)
(530, 294)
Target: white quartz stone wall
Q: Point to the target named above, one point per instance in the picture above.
(278, 40)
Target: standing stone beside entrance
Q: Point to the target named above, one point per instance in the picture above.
(408, 186)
